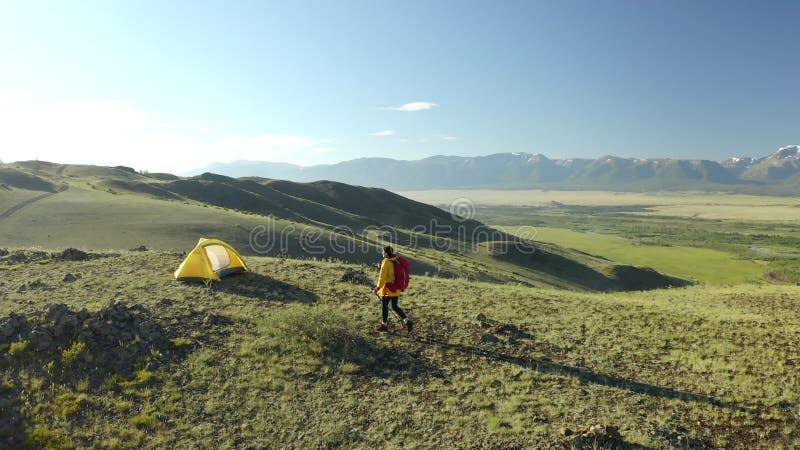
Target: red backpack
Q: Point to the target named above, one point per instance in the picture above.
(401, 275)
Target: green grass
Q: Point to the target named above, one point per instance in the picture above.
(285, 356)
(756, 231)
(295, 364)
(700, 264)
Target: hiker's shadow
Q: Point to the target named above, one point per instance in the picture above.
(262, 287)
(376, 361)
(585, 376)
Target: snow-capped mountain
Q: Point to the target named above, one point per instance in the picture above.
(782, 164)
(535, 170)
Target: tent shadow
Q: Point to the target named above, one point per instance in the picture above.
(262, 287)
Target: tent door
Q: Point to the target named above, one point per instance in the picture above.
(218, 256)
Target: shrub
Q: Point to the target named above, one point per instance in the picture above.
(76, 352)
(143, 421)
(18, 349)
(320, 332)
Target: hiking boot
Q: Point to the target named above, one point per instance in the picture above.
(381, 327)
(409, 325)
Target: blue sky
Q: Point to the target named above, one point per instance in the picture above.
(176, 85)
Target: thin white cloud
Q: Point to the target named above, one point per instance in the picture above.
(412, 107)
(121, 133)
(321, 150)
(449, 138)
(383, 133)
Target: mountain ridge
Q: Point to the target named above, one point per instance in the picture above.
(771, 174)
(113, 208)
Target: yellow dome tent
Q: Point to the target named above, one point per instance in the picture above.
(210, 260)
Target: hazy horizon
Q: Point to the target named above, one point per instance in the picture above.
(175, 87)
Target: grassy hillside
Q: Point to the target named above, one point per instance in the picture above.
(285, 357)
(116, 208)
(712, 238)
(700, 264)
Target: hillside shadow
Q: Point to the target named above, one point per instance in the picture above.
(546, 365)
(559, 267)
(622, 278)
(19, 179)
(642, 278)
(262, 287)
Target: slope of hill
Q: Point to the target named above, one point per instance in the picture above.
(285, 357)
(117, 208)
(525, 170)
(10, 178)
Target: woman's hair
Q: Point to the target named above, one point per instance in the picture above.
(389, 250)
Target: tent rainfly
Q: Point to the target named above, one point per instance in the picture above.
(210, 260)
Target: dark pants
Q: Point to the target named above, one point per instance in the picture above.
(385, 308)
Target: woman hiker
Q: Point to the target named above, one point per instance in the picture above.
(387, 295)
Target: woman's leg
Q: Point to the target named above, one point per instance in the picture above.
(397, 308)
(384, 309)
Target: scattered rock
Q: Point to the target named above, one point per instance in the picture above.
(69, 278)
(7, 329)
(493, 327)
(165, 302)
(32, 285)
(117, 336)
(17, 257)
(54, 311)
(489, 339)
(72, 254)
(140, 248)
(681, 439)
(355, 277)
(41, 339)
(593, 437)
(22, 257)
(217, 320)
(32, 256)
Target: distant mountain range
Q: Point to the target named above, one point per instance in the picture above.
(778, 173)
(46, 204)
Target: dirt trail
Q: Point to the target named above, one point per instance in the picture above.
(7, 213)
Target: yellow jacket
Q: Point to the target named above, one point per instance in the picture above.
(387, 276)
